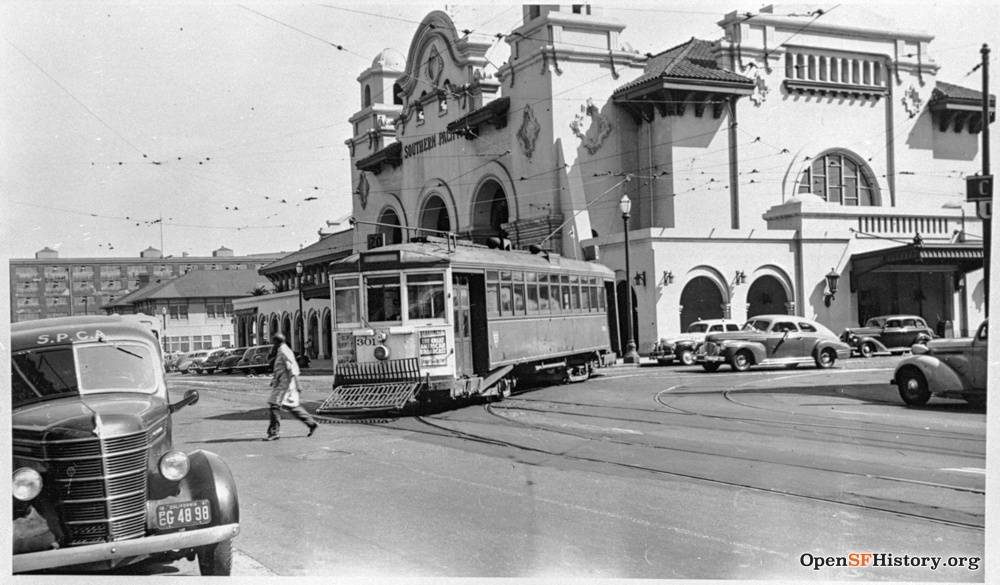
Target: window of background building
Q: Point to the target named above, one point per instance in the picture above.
(839, 178)
(26, 272)
(226, 341)
(178, 310)
(83, 272)
(56, 272)
(201, 342)
(218, 309)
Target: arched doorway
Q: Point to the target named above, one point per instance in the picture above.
(766, 296)
(327, 334)
(700, 299)
(286, 328)
(622, 315)
(434, 215)
(489, 212)
(273, 328)
(388, 218)
(312, 335)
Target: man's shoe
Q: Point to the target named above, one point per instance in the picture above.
(271, 438)
(312, 429)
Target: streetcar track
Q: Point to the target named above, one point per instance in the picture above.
(491, 409)
(463, 435)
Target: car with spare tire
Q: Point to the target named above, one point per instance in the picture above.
(772, 340)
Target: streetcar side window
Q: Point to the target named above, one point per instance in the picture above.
(383, 296)
(518, 293)
(566, 303)
(585, 288)
(574, 292)
(532, 296)
(345, 300)
(425, 296)
(555, 297)
(602, 297)
(506, 293)
(493, 292)
(592, 289)
(543, 293)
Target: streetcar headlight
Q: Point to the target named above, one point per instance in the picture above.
(381, 352)
(174, 465)
(27, 484)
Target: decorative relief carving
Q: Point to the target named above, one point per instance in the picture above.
(528, 133)
(911, 101)
(363, 190)
(760, 89)
(435, 65)
(600, 127)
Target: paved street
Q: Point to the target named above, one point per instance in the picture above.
(651, 472)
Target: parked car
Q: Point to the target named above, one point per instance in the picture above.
(170, 360)
(949, 368)
(887, 334)
(211, 362)
(767, 340)
(97, 483)
(681, 348)
(191, 359)
(228, 362)
(258, 360)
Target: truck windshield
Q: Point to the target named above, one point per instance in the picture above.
(40, 374)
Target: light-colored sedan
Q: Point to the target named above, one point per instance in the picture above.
(681, 348)
(773, 340)
(191, 359)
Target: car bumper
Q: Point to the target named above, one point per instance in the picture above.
(122, 549)
(709, 359)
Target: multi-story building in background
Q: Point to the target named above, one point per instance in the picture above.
(50, 286)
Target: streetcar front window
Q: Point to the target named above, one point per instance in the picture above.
(383, 296)
(345, 300)
(425, 296)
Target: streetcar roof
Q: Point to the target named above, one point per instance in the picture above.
(429, 254)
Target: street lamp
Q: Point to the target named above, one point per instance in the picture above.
(631, 356)
(298, 273)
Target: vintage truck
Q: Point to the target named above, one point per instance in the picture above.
(97, 483)
(949, 368)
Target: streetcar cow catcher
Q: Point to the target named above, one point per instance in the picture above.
(441, 318)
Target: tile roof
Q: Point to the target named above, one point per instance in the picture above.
(950, 91)
(691, 60)
(198, 284)
(328, 248)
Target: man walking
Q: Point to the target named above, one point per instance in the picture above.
(285, 390)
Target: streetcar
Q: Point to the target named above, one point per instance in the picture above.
(441, 318)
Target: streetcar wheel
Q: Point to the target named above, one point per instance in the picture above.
(741, 360)
(216, 559)
(686, 357)
(912, 387)
(867, 350)
(711, 366)
(826, 358)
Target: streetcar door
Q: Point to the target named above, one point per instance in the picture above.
(463, 326)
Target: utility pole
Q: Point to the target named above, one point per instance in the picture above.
(987, 228)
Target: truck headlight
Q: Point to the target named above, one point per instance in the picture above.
(174, 465)
(27, 484)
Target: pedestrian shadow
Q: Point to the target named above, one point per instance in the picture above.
(237, 440)
(261, 413)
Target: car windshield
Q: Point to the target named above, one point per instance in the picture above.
(875, 322)
(756, 325)
(697, 328)
(39, 374)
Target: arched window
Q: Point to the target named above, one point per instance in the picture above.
(367, 100)
(838, 177)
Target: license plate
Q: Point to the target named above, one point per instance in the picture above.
(181, 514)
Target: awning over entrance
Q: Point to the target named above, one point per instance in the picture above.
(962, 256)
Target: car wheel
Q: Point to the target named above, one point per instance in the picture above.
(686, 357)
(826, 358)
(912, 387)
(741, 360)
(711, 366)
(867, 350)
(216, 559)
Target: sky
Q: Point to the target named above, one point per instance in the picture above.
(228, 121)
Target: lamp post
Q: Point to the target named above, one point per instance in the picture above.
(298, 274)
(631, 356)
(163, 313)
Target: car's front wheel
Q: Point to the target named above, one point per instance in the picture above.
(867, 349)
(826, 358)
(686, 357)
(216, 560)
(741, 360)
(912, 387)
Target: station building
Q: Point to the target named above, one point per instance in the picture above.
(788, 153)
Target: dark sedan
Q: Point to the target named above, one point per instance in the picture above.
(232, 357)
(887, 334)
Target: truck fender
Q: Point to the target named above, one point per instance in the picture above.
(940, 377)
(210, 478)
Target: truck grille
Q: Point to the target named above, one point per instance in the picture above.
(101, 485)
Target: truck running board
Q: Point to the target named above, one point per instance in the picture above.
(368, 397)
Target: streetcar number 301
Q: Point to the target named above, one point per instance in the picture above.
(177, 515)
